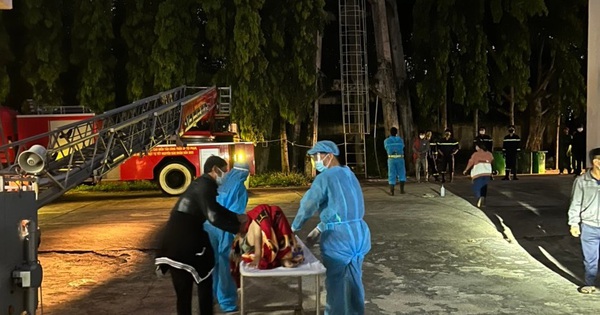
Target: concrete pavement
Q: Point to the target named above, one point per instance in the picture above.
(430, 255)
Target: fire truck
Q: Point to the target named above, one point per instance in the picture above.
(173, 164)
(168, 134)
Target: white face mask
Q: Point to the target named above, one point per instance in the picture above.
(482, 132)
(220, 178)
(580, 129)
(422, 136)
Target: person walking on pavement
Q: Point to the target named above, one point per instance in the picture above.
(579, 150)
(421, 151)
(185, 251)
(394, 145)
(482, 137)
(345, 238)
(510, 146)
(432, 155)
(447, 148)
(564, 151)
(584, 219)
(233, 195)
(481, 172)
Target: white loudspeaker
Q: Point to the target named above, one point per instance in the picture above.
(33, 160)
(6, 4)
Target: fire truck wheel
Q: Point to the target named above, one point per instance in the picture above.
(174, 178)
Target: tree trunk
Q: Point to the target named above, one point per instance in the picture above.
(476, 122)
(511, 110)
(285, 159)
(263, 152)
(384, 79)
(444, 109)
(314, 130)
(403, 94)
(536, 126)
(296, 149)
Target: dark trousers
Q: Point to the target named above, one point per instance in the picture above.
(564, 162)
(511, 163)
(578, 163)
(183, 283)
(447, 164)
(431, 163)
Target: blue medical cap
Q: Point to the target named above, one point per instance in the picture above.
(325, 146)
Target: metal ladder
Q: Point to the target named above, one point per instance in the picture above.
(224, 101)
(354, 83)
(92, 147)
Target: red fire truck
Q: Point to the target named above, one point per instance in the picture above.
(172, 164)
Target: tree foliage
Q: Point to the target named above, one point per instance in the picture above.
(138, 33)
(6, 57)
(44, 58)
(268, 48)
(92, 40)
(173, 58)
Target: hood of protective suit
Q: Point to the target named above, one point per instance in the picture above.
(233, 194)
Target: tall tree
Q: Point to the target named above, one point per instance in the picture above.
(510, 52)
(44, 59)
(92, 45)
(6, 57)
(385, 81)
(268, 49)
(556, 67)
(173, 58)
(138, 34)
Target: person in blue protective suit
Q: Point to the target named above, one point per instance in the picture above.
(394, 145)
(233, 196)
(344, 236)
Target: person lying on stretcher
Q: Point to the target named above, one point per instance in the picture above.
(267, 241)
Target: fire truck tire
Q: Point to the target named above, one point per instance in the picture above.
(174, 178)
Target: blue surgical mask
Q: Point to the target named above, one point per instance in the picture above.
(320, 166)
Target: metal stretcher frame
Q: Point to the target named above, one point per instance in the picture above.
(310, 267)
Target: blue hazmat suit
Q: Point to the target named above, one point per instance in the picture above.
(233, 196)
(394, 146)
(345, 237)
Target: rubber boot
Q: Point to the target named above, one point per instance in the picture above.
(426, 177)
(443, 177)
(514, 177)
(506, 174)
(451, 177)
(392, 189)
(401, 187)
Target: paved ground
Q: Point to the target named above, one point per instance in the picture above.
(430, 255)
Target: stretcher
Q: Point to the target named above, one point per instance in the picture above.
(310, 267)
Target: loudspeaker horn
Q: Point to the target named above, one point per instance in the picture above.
(33, 160)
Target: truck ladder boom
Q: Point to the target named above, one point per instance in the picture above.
(92, 147)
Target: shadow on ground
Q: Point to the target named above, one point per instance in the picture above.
(534, 208)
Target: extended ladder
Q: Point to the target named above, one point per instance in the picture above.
(355, 83)
(92, 147)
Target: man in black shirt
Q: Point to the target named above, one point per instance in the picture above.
(186, 251)
(447, 148)
(510, 146)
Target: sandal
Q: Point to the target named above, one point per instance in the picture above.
(588, 289)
